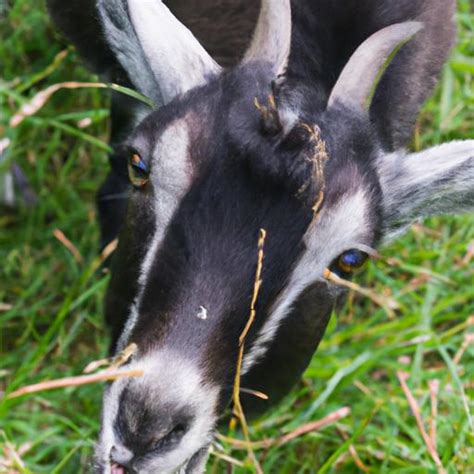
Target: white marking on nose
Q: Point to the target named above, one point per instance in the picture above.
(202, 314)
(121, 455)
(170, 381)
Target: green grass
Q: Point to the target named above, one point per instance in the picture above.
(55, 327)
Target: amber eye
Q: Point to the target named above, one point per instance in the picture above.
(138, 171)
(351, 261)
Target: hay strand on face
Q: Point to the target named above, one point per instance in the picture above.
(111, 373)
(225, 457)
(104, 376)
(318, 157)
(255, 393)
(388, 304)
(270, 115)
(112, 362)
(256, 288)
(238, 411)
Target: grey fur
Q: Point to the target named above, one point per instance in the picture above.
(177, 59)
(123, 41)
(436, 181)
(162, 62)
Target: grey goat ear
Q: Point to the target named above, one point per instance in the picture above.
(272, 38)
(436, 181)
(161, 56)
(358, 81)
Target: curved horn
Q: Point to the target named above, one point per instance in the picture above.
(175, 56)
(272, 38)
(357, 83)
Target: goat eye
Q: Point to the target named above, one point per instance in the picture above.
(351, 261)
(138, 171)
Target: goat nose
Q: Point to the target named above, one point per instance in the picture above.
(121, 455)
(170, 437)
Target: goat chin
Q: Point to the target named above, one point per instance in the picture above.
(194, 465)
(116, 469)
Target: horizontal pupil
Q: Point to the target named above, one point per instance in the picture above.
(140, 165)
(139, 172)
(353, 259)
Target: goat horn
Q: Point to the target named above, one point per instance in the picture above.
(272, 38)
(176, 58)
(357, 83)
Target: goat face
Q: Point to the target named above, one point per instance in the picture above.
(214, 178)
(226, 156)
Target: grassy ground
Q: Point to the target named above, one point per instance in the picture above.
(51, 314)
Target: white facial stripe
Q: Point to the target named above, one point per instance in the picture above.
(171, 172)
(336, 231)
(176, 382)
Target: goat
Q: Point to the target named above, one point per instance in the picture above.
(304, 137)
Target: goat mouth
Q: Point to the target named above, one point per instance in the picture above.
(118, 469)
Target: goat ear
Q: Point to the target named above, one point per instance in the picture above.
(357, 83)
(161, 56)
(272, 38)
(436, 181)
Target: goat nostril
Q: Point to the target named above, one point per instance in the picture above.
(172, 437)
(120, 458)
(178, 430)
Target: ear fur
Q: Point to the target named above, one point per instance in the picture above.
(436, 181)
(161, 56)
(120, 36)
(177, 59)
